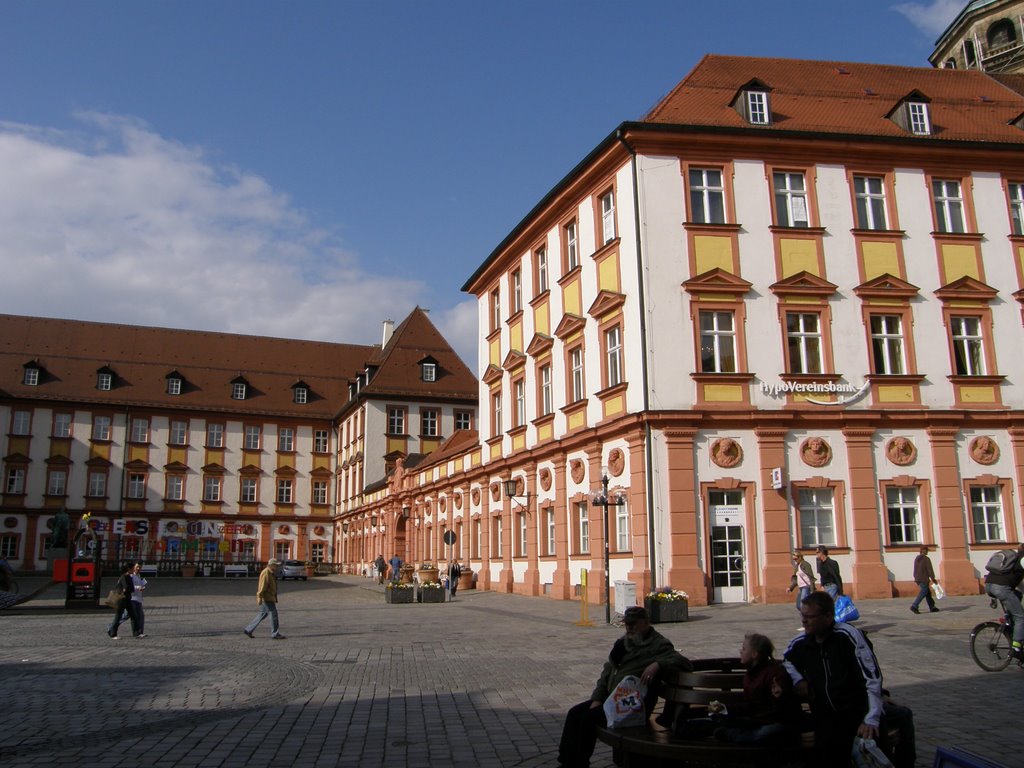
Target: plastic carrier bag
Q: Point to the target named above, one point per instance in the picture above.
(845, 609)
(937, 591)
(624, 706)
(867, 754)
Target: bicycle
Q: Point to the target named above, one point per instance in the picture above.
(991, 642)
(7, 582)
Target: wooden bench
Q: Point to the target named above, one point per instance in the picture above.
(690, 692)
(236, 570)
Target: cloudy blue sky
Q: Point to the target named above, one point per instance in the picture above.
(308, 169)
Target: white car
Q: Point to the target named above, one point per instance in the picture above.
(292, 569)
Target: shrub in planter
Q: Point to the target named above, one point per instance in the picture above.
(667, 604)
(431, 592)
(398, 593)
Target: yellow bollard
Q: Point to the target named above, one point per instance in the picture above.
(584, 606)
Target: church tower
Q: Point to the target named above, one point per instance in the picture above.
(987, 35)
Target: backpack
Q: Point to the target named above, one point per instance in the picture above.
(1003, 562)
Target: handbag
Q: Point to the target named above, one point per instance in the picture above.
(866, 754)
(624, 706)
(845, 609)
(113, 598)
(937, 591)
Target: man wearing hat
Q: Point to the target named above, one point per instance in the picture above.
(266, 596)
(641, 652)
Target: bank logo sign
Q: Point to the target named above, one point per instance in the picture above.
(845, 393)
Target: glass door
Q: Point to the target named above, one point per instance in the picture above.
(728, 563)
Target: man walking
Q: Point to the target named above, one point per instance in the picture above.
(396, 566)
(381, 565)
(454, 572)
(828, 574)
(924, 577)
(266, 596)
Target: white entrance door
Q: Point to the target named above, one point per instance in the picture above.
(728, 564)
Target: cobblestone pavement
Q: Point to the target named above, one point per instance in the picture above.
(483, 681)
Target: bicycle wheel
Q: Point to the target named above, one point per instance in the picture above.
(990, 646)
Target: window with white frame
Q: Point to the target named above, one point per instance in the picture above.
(31, 377)
(517, 291)
(178, 433)
(321, 441)
(572, 247)
(247, 490)
(212, 487)
(496, 425)
(707, 196)
(175, 490)
(300, 395)
(968, 346)
(136, 485)
(917, 112)
(478, 533)
(986, 513)
(214, 435)
(9, 547)
(582, 528)
(428, 372)
(717, 342)
(238, 390)
(903, 510)
(790, 199)
(576, 374)
(613, 355)
(621, 528)
(248, 551)
(817, 517)
(173, 385)
(522, 525)
(495, 310)
(541, 256)
(803, 338)
(547, 402)
(15, 480)
(757, 107)
(318, 552)
(57, 482)
(283, 550)
(549, 531)
(104, 381)
(463, 420)
(62, 425)
(284, 491)
(319, 491)
(21, 422)
(285, 439)
(140, 430)
(97, 487)
(101, 428)
(428, 423)
(519, 390)
(251, 437)
(497, 553)
(396, 421)
(887, 344)
(608, 217)
(869, 194)
(949, 205)
(1016, 192)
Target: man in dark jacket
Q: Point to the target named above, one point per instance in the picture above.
(1003, 587)
(924, 575)
(834, 667)
(828, 574)
(642, 652)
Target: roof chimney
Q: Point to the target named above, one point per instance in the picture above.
(389, 328)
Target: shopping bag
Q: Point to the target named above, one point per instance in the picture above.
(113, 598)
(624, 706)
(845, 609)
(937, 591)
(867, 754)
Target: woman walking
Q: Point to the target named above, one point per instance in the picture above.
(803, 578)
(125, 587)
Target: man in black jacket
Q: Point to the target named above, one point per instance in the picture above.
(828, 574)
(1002, 585)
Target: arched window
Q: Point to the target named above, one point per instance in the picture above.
(950, 64)
(970, 57)
(1001, 34)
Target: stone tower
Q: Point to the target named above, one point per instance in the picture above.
(986, 35)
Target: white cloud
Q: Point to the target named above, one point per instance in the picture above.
(459, 326)
(931, 18)
(114, 222)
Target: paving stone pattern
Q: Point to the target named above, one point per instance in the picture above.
(483, 681)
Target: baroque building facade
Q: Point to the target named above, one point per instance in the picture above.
(986, 35)
(781, 310)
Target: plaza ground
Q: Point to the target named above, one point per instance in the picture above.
(483, 681)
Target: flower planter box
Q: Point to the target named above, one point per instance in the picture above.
(432, 595)
(398, 595)
(664, 611)
(188, 571)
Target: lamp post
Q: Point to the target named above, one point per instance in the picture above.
(599, 498)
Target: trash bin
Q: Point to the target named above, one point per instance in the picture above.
(625, 595)
(207, 570)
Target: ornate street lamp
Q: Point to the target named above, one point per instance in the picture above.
(511, 487)
(600, 498)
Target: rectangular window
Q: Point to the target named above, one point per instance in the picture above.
(546, 399)
(576, 374)
(1017, 208)
(717, 342)
(549, 531)
(31, 377)
(428, 423)
(429, 372)
(57, 483)
(901, 506)
(300, 395)
(949, 206)
(478, 532)
(583, 528)
(178, 434)
(495, 310)
(517, 291)
(15, 480)
(247, 490)
(621, 528)
(101, 428)
(987, 513)
(396, 421)
(284, 491)
(521, 520)
(104, 381)
(238, 390)
(496, 414)
(816, 517)
(175, 488)
(97, 485)
(541, 261)
(887, 344)
(790, 199)
(251, 439)
(62, 425)
(463, 420)
(174, 386)
(211, 488)
(319, 491)
(918, 113)
(520, 393)
(968, 346)
(282, 550)
(757, 107)
(318, 552)
(869, 192)
(803, 336)
(140, 431)
(285, 439)
(607, 217)
(9, 547)
(572, 248)
(613, 355)
(136, 485)
(214, 435)
(497, 539)
(707, 196)
(321, 441)
(21, 422)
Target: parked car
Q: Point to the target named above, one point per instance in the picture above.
(292, 569)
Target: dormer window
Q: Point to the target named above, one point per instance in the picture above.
(917, 114)
(239, 389)
(429, 372)
(31, 377)
(757, 108)
(104, 379)
(300, 393)
(174, 385)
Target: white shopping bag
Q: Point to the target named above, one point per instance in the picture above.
(937, 591)
(624, 706)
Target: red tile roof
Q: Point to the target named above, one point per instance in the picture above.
(846, 98)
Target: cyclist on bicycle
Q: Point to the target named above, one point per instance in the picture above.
(1002, 584)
